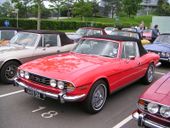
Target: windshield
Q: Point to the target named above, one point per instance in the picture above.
(82, 32)
(97, 47)
(123, 33)
(163, 39)
(129, 29)
(7, 34)
(24, 39)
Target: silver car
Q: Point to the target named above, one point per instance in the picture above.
(28, 45)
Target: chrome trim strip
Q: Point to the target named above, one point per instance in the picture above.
(146, 122)
(52, 95)
(165, 59)
(154, 102)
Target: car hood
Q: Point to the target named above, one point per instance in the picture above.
(159, 91)
(68, 66)
(158, 47)
(9, 48)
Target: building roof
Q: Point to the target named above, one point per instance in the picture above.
(149, 3)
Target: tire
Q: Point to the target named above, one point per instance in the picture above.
(8, 72)
(149, 75)
(96, 98)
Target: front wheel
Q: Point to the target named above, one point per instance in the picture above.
(149, 75)
(8, 72)
(96, 97)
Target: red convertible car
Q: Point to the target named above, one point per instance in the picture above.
(98, 66)
(154, 105)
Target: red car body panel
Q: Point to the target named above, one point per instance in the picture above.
(83, 70)
(159, 92)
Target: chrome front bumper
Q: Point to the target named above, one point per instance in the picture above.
(61, 96)
(165, 59)
(145, 122)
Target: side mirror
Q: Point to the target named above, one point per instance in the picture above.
(131, 57)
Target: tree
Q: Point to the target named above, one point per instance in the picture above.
(6, 9)
(113, 6)
(22, 6)
(131, 7)
(82, 9)
(56, 5)
(95, 6)
(163, 8)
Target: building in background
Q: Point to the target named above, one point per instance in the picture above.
(147, 7)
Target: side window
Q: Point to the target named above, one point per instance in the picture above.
(97, 32)
(50, 40)
(40, 43)
(130, 49)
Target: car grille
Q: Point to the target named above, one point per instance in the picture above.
(39, 79)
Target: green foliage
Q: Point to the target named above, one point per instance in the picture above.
(75, 23)
(6, 9)
(131, 7)
(82, 9)
(163, 8)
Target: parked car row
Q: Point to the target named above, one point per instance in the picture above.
(87, 69)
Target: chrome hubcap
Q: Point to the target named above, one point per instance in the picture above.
(150, 73)
(10, 72)
(99, 97)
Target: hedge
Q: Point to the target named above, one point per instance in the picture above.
(59, 25)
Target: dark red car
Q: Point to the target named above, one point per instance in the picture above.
(86, 31)
(154, 105)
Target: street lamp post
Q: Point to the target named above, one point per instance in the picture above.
(17, 10)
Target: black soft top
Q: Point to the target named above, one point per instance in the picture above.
(10, 28)
(121, 38)
(129, 32)
(64, 38)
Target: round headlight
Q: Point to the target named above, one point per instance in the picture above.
(53, 83)
(153, 108)
(60, 84)
(21, 73)
(167, 54)
(163, 54)
(165, 111)
(27, 76)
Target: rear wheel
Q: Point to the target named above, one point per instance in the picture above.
(149, 75)
(8, 72)
(96, 97)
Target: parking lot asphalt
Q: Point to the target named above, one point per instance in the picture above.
(19, 110)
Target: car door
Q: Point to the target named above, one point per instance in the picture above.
(49, 45)
(130, 63)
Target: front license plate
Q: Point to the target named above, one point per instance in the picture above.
(34, 93)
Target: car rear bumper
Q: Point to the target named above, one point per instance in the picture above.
(142, 121)
(61, 96)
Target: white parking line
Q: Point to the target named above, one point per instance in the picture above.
(160, 73)
(123, 122)
(11, 93)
